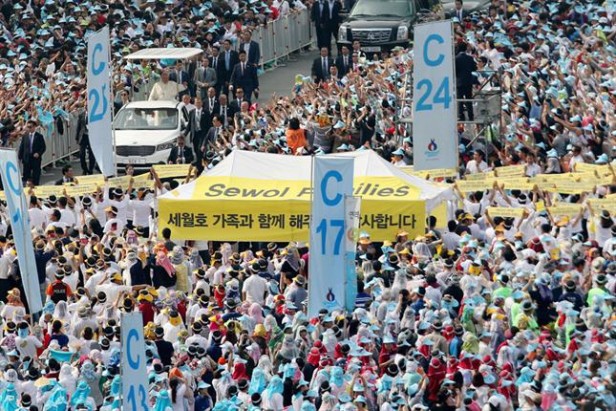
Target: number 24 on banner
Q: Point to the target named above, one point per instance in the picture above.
(331, 224)
(426, 100)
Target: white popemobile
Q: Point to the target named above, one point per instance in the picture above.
(145, 131)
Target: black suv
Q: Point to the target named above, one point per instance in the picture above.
(384, 24)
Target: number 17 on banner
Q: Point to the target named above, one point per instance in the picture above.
(332, 182)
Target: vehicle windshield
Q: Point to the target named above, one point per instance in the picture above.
(372, 8)
(146, 119)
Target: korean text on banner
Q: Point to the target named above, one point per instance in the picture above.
(19, 218)
(332, 181)
(244, 209)
(99, 106)
(434, 109)
(352, 215)
(134, 373)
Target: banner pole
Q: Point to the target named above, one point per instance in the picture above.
(310, 225)
(112, 99)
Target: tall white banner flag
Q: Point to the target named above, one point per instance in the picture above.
(20, 224)
(134, 370)
(434, 98)
(352, 216)
(332, 181)
(99, 104)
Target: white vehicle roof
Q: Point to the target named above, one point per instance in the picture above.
(153, 104)
(165, 53)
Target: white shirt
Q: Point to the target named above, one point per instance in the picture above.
(38, 218)
(121, 205)
(473, 168)
(255, 288)
(6, 263)
(68, 217)
(112, 290)
(141, 211)
(27, 346)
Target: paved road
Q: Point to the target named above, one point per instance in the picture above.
(279, 80)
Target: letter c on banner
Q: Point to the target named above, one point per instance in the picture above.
(11, 168)
(134, 363)
(338, 197)
(98, 47)
(439, 58)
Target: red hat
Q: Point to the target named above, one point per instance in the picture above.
(314, 356)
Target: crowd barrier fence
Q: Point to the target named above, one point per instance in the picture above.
(280, 38)
(60, 145)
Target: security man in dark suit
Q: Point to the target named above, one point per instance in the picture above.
(218, 64)
(252, 49)
(67, 176)
(199, 122)
(245, 76)
(465, 66)
(86, 155)
(321, 65)
(344, 61)
(180, 154)
(180, 76)
(326, 16)
(31, 152)
(236, 104)
(333, 21)
(229, 60)
(210, 104)
(224, 111)
(212, 134)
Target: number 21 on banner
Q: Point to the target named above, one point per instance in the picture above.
(426, 98)
(96, 97)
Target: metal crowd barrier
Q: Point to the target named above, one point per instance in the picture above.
(279, 38)
(60, 146)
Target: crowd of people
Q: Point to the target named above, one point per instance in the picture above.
(482, 312)
(43, 47)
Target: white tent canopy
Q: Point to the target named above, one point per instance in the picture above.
(247, 164)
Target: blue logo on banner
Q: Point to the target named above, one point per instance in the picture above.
(432, 149)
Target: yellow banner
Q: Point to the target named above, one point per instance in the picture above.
(591, 168)
(510, 171)
(516, 183)
(273, 220)
(571, 187)
(143, 181)
(436, 173)
(565, 209)
(505, 212)
(171, 170)
(121, 182)
(46, 191)
(599, 204)
(240, 209)
(473, 186)
(93, 179)
(479, 176)
(81, 189)
(2, 195)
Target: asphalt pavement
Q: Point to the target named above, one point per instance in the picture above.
(279, 80)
